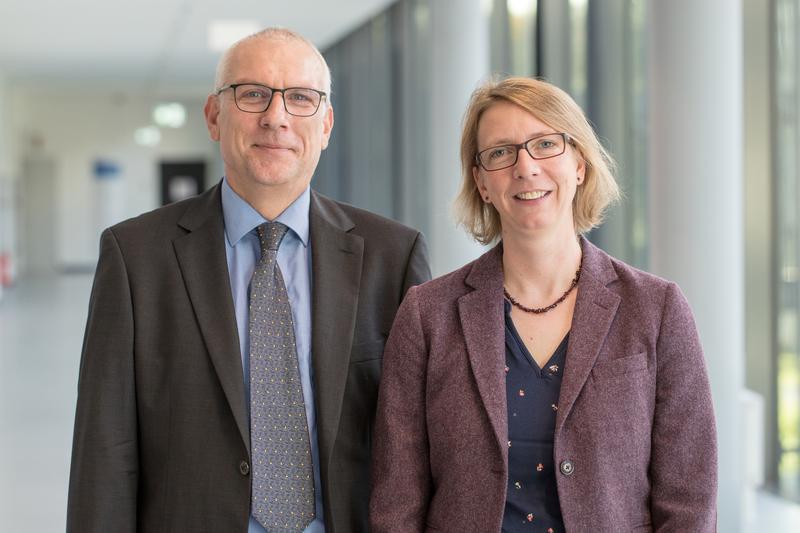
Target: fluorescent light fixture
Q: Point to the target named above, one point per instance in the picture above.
(520, 8)
(147, 136)
(223, 33)
(172, 115)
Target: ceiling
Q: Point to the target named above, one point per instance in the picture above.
(153, 45)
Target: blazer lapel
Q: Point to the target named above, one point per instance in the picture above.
(595, 308)
(201, 256)
(481, 314)
(336, 259)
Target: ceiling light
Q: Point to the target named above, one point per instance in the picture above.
(147, 136)
(172, 115)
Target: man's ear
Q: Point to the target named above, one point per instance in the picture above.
(327, 126)
(211, 111)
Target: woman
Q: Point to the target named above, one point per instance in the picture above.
(545, 386)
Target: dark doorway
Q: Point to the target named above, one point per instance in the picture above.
(182, 179)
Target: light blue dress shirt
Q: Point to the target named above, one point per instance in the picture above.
(243, 251)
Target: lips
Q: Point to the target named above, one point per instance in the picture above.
(531, 195)
(272, 146)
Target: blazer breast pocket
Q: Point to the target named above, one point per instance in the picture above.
(629, 366)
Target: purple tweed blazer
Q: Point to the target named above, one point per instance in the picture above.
(635, 438)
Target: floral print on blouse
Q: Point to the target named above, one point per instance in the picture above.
(532, 400)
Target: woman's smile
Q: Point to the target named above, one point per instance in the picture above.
(531, 195)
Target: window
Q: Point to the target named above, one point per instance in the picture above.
(787, 227)
(596, 53)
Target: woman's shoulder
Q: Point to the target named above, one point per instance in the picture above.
(637, 277)
(640, 290)
(480, 271)
(615, 271)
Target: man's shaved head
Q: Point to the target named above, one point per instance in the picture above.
(278, 34)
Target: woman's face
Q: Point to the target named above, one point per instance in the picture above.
(534, 195)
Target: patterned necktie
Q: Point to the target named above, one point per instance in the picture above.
(282, 494)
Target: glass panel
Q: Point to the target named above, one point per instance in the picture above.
(616, 101)
(787, 198)
(580, 67)
(522, 36)
(595, 50)
(378, 155)
(499, 37)
(637, 191)
(513, 36)
(412, 114)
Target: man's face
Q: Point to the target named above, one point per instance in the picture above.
(270, 153)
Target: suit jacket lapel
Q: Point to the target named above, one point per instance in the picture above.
(595, 308)
(201, 256)
(482, 321)
(336, 259)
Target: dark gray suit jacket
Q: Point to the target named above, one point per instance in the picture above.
(161, 437)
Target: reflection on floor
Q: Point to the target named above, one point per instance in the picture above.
(41, 330)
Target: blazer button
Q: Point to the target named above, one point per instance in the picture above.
(244, 468)
(567, 468)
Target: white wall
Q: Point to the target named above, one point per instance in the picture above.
(74, 127)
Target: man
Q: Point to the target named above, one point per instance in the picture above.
(204, 405)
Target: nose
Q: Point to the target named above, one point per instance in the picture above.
(526, 165)
(275, 115)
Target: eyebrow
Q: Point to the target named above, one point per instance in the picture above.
(261, 83)
(506, 140)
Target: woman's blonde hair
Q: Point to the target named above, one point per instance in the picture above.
(558, 110)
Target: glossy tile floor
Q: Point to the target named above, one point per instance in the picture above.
(41, 330)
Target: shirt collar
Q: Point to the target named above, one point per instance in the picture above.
(241, 218)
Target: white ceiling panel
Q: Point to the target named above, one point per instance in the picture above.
(155, 44)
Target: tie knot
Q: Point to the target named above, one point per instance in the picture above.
(271, 234)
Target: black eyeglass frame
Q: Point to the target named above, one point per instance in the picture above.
(519, 146)
(322, 96)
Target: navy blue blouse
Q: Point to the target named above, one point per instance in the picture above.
(532, 399)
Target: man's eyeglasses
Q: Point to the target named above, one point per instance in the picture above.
(506, 155)
(255, 98)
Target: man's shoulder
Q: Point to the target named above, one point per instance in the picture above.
(166, 219)
(365, 223)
